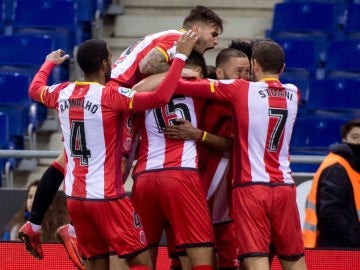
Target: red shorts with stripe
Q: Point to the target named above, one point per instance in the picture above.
(103, 226)
(267, 215)
(173, 198)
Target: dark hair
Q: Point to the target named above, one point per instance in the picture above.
(55, 216)
(196, 59)
(203, 14)
(225, 54)
(269, 55)
(345, 129)
(91, 54)
(211, 74)
(243, 44)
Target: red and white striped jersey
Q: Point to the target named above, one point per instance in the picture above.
(217, 119)
(157, 152)
(91, 118)
(125, 70)
(264, 115)
(82, 107)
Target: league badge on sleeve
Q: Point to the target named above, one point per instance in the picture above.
(126, 92)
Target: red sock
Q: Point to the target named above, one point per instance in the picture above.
(202, 267)
(139, 267)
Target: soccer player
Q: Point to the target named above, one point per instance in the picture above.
(215, 155)
(167, 191)
(264, 194)
(90, 118)
(150, 55)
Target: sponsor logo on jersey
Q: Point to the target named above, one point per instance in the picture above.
(126, 92)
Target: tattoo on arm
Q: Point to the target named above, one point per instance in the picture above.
(154, 62)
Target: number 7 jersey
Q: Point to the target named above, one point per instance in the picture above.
(264, 114)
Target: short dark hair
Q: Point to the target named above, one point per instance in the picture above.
(196, 59)
(203, 14)
(225, 54)
(345, 129)
(91, 54)
(269, 55)
(243, 44)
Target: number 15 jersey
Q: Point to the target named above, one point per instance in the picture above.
(157, 152)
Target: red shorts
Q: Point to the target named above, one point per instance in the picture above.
(173, 198)
(225, 244)
(267, 215)
(102, 226)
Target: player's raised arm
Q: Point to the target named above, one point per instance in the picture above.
(163, 93)
(39, 83)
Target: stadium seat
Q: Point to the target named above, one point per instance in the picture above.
(304, 16)
(56, 18)
(15, 102)
(25, 54)
(314, 134)
(343, 56)
(340, 8)
(4, 131)
(342, 94)
(299, 77)
(352, 23)
(300, 54)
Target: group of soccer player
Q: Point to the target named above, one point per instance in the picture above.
(212, 155)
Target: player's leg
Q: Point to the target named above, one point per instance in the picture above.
(30, 232)
(145, 199)
(252, 225)
(186, 209)
(287, 236)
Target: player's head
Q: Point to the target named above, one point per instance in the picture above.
(94, 56)
(207, 24)
(267, 58)
(196, 62)
(232, 64)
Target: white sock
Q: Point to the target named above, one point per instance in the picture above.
(35, 227)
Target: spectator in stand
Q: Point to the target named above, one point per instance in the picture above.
(55, 216)
(333, 204)
(89, 115)
(152, 54)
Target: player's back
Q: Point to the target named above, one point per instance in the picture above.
(264, 124)
(125, 70)
(157, 152)
(92, 130)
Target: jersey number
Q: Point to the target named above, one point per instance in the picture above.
(280, 115)
(166, 115)
(78, 143)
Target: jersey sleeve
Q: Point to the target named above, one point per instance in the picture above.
(162, 94)
(167, 46)
(123, 99)
(225, 90)
(40, 91)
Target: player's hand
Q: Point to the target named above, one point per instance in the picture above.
(58, 57)
(183, 131)
(186, 42)
(189, 73)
